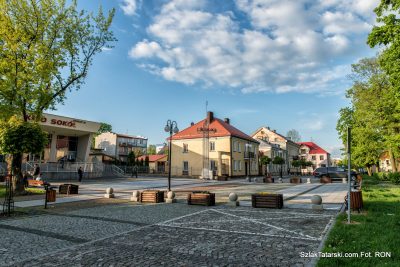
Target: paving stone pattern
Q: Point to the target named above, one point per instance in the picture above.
(164, 235)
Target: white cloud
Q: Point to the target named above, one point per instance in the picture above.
(302, 46)
(129, 7)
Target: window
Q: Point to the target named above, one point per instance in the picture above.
(321, 157)
(313, 157)
(186, 166)
(234, 165)
(388, 162)
(303, 151)
(239, 147)
(213, 165)
(240, 165)
(185, 148)
(234, 146)
(212, 146)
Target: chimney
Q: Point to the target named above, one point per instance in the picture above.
(210, 116)
(192, 123)
(274, 131)
(268, 127)
(227, 120)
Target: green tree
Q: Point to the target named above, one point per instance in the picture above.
(18, 137)
(265, 160)
(279, 161)
(46, 49)
(370, 115)
(385, 34)
(146, 161)
(151, 150)
(293, 135)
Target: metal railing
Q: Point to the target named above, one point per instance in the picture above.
(64, 166)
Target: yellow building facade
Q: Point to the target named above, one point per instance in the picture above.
(230, 151)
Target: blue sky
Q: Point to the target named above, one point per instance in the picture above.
(276, 63)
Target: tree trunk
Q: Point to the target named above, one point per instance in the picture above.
(392, 161)
(369, 170)
(18, 183)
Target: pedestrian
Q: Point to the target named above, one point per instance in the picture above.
(25, 179)
(39, 177)
(80, 174)
(36, 171)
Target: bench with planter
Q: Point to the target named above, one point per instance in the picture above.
(201, 198)
(36, 183)
(68, 189)
(151, 196)
(267, 200)
(295, 180)
(325, 180)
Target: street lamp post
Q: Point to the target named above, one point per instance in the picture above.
(171, 127)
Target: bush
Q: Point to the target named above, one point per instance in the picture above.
(394, 177)
(383, 176)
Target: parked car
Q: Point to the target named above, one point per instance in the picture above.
(334, 173)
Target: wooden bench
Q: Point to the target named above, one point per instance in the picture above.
(151, 196)
(205, 199)
(295, 180)
(325, 180)
(267, 201)
(35, 183)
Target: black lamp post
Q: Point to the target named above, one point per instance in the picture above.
(171, 127)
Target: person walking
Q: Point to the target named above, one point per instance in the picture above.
(80, 174)
(36, 171)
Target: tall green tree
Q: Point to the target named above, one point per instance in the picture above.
(386, 35)
(131, 158)
(265, 161)
(46, 49)
(370, 114)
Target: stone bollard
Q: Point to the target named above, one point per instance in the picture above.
(233, 200)
(308, 180)
(135, 196)
(344, 180)
(316, 202)
(280, 180)
(170, 197)
(109, 193)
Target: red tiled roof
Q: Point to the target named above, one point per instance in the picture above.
(222, 129)
(152, 158)
(314, 148)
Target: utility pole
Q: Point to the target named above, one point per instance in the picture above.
(349, 172)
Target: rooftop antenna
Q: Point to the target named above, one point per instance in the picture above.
(206, 106)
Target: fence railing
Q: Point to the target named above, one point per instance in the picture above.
(64, 166)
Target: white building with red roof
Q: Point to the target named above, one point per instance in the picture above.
(225, 152)
(314, 153)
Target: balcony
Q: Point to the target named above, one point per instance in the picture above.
(249, 155)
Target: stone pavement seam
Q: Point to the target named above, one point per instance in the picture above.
(97, 218)
(90, 241)
(304, 192)
(44, 233)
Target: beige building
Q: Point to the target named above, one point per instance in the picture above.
(271, 136)
(226, 151)
(69, 139)
(271, 151)
(157, 163)
(120, 145)
(385, 164)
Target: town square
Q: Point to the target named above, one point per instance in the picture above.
(199, 133)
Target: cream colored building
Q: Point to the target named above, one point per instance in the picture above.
(120, 145)
(230, 151)
(271, 151)
(271, 136)
(69, 138)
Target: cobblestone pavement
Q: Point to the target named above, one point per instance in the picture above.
(163, 235)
